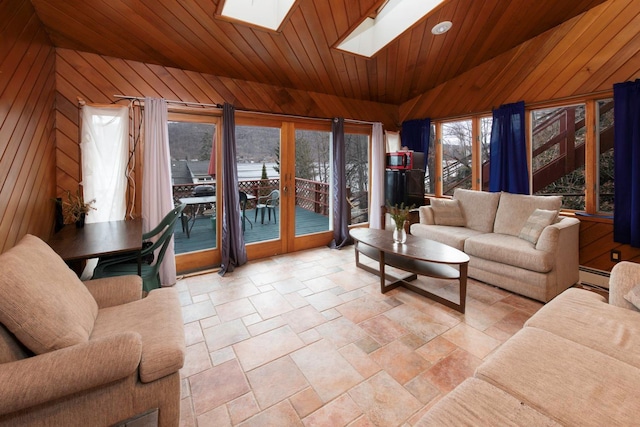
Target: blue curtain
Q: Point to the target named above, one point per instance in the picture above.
(626, 213)
(233, 251)
(340, 221)
(508, 168)
(415, 136)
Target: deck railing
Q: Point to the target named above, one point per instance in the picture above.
(310, 195)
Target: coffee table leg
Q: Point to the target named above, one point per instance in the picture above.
(463, 286)
(381, 258)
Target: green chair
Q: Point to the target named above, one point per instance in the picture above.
(243, 206)
(122, 265)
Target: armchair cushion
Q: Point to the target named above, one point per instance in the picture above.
(158, 320)
(116, 290)
(42, 301)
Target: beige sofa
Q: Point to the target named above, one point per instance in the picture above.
(576, 362)
(90, 354)
(516, 242)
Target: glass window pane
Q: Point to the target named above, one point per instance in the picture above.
(357, 160)
(190, 149)
(558, 138)
(485, 151)
(456, 151)
(605, 159)
(431, 173)
(258, 163)
(313, 177)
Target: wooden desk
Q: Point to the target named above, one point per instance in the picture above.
(98, 239)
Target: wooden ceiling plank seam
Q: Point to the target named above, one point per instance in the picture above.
(195, 92)
(294, 45)
(90, 72)
(14, 164)
(452, 42)
(125, 68)
(620, 31)
(17, 60)
(24, 23)
(147, 74)
(32, 168)
(604, 75)
(223, 44)
(82, 80)
(84, 31)
(250, 98)
(211, 96)
(174, 42)
(163, 74)
(21, 90)
(417, 39)
(306, 45)
(64, 107)
(628, 72)
(480, 12)
(571, 57)
(119, 82)
(364, 79)
(12, 14)
(316, 32)
(423, 66)
(221, 88)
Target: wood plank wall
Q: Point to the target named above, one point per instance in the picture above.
(27, 140)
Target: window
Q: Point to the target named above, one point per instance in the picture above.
(604, 135)
(456, 155)
(190, 144)
(357, 174)
(558, 158)
(431, 172)
(485, 150)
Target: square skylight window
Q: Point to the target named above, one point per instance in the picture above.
(393, 19)
(262, 13)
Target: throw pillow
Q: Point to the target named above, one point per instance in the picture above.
(538, 220)
(447, 212)
(633, 296)
(42, 301)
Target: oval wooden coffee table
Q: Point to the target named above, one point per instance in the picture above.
(418, 256)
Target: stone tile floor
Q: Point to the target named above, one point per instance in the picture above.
(308, 339)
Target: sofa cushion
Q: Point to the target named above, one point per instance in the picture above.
(10, 348)
(514, 211)
(478, 207)
(42, 302)
(571, 315)
(452, 236)
(572, 383)
(158, 320)
(509, 250)
(478, 403)
(447, 212)
(537, 221)
(633, 296)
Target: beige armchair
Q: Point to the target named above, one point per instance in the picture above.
(624, 276)
(92, 353)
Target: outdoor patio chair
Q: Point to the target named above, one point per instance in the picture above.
(268, 203)
(243, 206)
(126, 264)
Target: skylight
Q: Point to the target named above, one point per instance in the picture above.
(263, 13)
(393, 19)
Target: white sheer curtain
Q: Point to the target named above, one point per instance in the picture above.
(157, 195)
(104, 148)
(392, 141)
(377, 176)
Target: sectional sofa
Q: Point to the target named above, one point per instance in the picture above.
(576, 362)
(516, 242)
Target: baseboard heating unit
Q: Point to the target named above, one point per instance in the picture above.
(594, 277)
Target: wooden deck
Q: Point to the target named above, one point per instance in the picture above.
(203, 234)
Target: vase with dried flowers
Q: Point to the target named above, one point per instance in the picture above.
(399, 216)
(75, 209)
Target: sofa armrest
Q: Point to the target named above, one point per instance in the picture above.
(624, 276)
(426, 215)
(562, 240)
(49, 376)
(117, 290)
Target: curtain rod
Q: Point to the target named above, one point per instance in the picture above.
(199, 104)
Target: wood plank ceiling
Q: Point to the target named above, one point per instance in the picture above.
(189, 36)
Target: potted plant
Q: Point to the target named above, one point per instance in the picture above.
(75, 209)
(399, 215)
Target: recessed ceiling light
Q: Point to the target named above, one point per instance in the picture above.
(263, 13)
(395, 17)
(442, 27)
